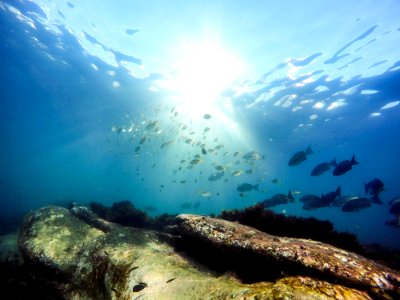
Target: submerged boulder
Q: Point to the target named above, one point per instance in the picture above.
(290, 255)
(80, 256)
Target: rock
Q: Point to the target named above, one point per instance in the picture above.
(85, 258)
(9, 252)
(305, 256)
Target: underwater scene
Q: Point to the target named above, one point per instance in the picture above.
(212, 108)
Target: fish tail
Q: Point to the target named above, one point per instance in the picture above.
(339, 191)
(353, 160)
(366, 188)
(290, 196)
(255, 187)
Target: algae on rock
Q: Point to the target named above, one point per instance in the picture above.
(81, 261)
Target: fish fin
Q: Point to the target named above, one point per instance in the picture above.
(256, 186)
(353, 160)
(290, 196)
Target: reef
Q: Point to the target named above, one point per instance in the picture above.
(74, 254)
(291, 226)
(288, 255)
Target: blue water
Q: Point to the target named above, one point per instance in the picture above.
(84, 83)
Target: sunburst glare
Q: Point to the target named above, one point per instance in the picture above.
(201, 73)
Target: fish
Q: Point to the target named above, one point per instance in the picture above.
(203, 151)
(395, 206)
(204, 194)
(395, 210)
(374, 187)
(247, 187)
(253, 155)
(152, 125)
(216, 176)
(322, 168)
(163, 145)
(328, 198)
(344, 166)
(237, 173)
(342, 200)
(299, 157)
(278, 199)
(158, 131)
(195, 161)
(138, 287)
(312, 203)
(143, 140)
(207, 116)
(356, 204)
(276, 181)
(219, 168)
(325, 200)
(307, 197)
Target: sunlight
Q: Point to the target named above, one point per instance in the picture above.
(201, 74)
